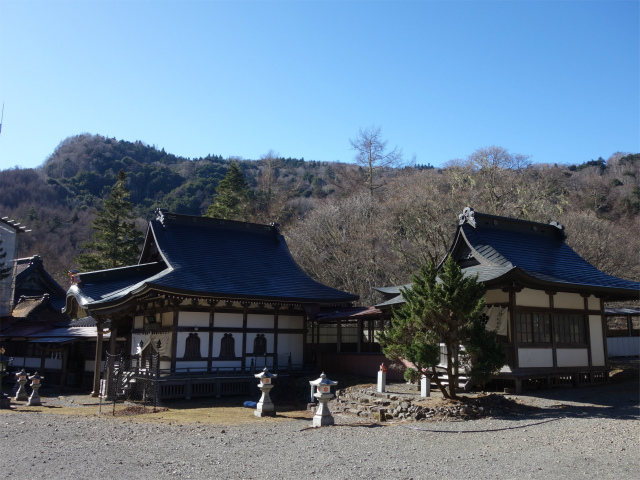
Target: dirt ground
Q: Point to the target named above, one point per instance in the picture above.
(230, 410)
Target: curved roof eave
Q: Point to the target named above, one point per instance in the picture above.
(109, 306)
(525, 279)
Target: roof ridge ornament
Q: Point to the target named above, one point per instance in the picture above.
(468, 215)
(161, 216)
(560, 227)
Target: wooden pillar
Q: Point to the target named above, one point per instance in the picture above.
(370, 325)
(305, 339)
(359, 329)
(587, 328)
(113, 338)
(212, 303)
(339, 336)
(275, 339)
(604, 336)
(65, 361)
(174, 335)
(98, 361)
(512, 326)
(553, 331)
(244, 336)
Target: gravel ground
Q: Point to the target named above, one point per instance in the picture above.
(574, 433)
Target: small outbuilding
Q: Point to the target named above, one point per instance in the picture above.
(544, 300)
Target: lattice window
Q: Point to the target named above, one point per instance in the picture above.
(228, 346)
(570, 328)
(533, 328)
(192, 346)
(259, 344)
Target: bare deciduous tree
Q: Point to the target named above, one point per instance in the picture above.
(373, 157)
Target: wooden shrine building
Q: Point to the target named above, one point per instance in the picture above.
(545, 301)
(208, 296)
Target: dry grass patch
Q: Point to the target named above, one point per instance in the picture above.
(206, 411)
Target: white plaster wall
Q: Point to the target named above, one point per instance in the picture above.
(594, 303)
(291, 343)
(165, 365)
(226, 364)
(32, 362)
(256, 320)
(623, 346)
(535, 357)
(496, 296)
(572, 357)
(182, 338)
(167, 319)
(89, 365)
(9, 246)
(199, 366)
(138, 322)
(532, 298)
(290, 321)
(251, 337)
(597, 341)
(217, 337)
(222, 320)
(18, 362)
(568, 300)
(193, 319)
(53, 363)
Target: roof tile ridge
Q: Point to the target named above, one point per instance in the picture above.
(481, 258)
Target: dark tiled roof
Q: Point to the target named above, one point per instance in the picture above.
(540, 252)
(202, 256)
(500, 250)
(33, 280)
(348, 313)
(109, 285)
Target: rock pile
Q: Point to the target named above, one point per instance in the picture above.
(367, 403)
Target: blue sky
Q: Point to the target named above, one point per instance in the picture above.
(557, 80)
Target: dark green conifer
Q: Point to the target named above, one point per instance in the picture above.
(117, 238)
(443, 307)
(232, 198)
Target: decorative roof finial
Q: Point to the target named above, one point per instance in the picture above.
(467, 216)
(160, 215)
(560, 228)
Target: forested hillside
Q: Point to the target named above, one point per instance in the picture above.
(351, 226)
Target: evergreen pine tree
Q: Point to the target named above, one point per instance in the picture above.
(443, 307)
(116, 239)
(232, 198)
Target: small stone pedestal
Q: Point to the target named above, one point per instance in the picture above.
(323, 394)
(265, 406)
(34, 399)
(382, 379)
(21, 394)
(425, 386)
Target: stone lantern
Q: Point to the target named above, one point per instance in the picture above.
(5, 400)
(21, 395)
(323, 393)
(265, 406)
(34, 399)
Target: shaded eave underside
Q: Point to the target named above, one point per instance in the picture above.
(513, 277)
(116, 300)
